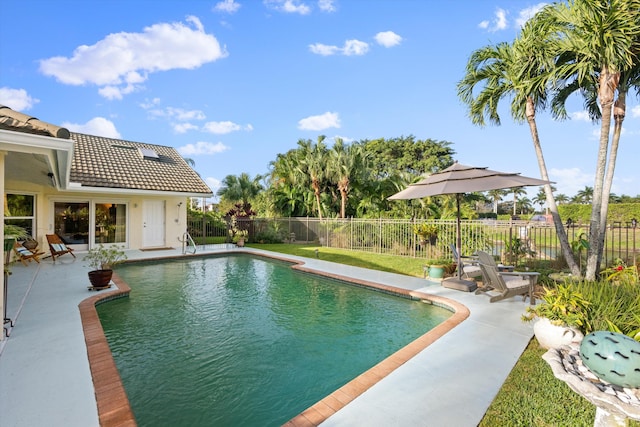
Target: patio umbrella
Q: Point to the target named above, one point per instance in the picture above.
(459, 179)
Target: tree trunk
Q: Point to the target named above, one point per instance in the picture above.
(619, 111)
(551, 202)
(606, 90)
(316, 191)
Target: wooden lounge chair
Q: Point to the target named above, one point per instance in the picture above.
(25, 255)
(470, 265)
(504, 284)
(58, 247)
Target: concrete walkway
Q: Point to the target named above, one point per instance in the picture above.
(45, 378)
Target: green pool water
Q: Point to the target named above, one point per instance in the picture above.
(246, 341)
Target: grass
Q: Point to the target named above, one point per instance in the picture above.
(531, 395)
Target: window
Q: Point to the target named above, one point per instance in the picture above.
(110, 223)
(72, 222)
(20, 210)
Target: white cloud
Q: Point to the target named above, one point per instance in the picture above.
(321, 122)
(580, 115)
(289, 6)
(121, 62)
(323, 49)
(499, 22)
(214, 184)
(635, 111)
(326, 5)
(202, 147)
(388, 39)
(184, 127)
(179, 118)
(148, 104)
(570, 181)
(224, 127)
(350, 48)
(525, 14)
(180, 114)
(17, 99)
(226, 6)
(355, 47)
(98, 126)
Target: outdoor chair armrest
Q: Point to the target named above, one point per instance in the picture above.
(531, 276)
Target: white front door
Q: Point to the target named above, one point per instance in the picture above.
(153, 218)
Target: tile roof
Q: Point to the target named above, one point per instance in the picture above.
(20, 122)
(115, 163)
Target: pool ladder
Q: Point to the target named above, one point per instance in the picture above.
(187, 241)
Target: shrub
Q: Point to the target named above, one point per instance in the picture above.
(613, 307)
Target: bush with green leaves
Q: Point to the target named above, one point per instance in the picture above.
(105, 257)
(563, 305)
(612, 307)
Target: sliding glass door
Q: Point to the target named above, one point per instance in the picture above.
(84, 224)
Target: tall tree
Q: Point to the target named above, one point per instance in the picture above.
(345, 162)
(598, 41)
(541, 199)
(408, 155)
(521, 72)
(496, 197)
(313, 163)
(240, 189)
(517, 192)
(585, 195)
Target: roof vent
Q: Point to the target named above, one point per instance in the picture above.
(148, 153)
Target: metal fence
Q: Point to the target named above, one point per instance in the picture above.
(513, 240)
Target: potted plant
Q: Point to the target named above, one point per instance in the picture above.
(438, 268)
(102, 260)
(428, 233)
(239, 237)
(561, 317)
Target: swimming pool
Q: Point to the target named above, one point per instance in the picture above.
(240, 340)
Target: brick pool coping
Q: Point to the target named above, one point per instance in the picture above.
(114, 409)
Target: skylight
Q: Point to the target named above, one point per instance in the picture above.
(148, 153)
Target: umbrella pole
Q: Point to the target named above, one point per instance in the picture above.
(451, 282)
(458, 237)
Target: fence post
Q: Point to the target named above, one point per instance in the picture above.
(204, 229)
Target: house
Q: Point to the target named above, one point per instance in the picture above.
(92, 190)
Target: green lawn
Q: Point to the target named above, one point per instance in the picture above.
(531, 395)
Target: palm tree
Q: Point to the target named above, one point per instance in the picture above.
(598, 41)
(520, 71)
(517, 191)
(561, 198)
(240, 189)
(313, 163)
(496, 196)
(525, 205)
(541, 199)
(585, 195)
(344, 163)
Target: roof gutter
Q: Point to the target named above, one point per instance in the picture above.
(76, 187)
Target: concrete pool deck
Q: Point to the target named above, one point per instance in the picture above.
(45, 375)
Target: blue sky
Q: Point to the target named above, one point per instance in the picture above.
(232, 83)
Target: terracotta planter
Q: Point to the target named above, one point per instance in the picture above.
(554, 336)
(100, 279)
(240, 243)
